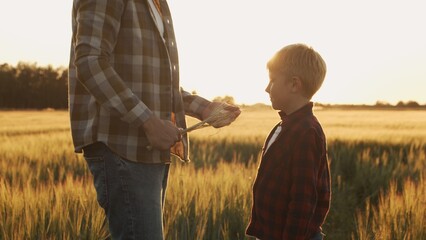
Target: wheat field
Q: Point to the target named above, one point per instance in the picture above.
(377, 160)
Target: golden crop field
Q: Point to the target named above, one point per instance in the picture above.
(377, 160)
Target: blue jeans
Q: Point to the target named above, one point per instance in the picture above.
(132, 194)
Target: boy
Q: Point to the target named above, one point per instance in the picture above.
(291, 193)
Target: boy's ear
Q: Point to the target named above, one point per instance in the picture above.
(296, 84)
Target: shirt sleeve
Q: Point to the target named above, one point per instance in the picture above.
(98, 24)
(194, 104)
(303, 192)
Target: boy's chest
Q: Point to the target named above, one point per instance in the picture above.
(276, 161)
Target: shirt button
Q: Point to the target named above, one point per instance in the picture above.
(168, 21)
(174, 67)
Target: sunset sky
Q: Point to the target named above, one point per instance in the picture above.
(374, 50)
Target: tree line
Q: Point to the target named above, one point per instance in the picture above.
(28, 86)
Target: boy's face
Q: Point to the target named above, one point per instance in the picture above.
(281, 90)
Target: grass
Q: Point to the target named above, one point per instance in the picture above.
(377, 159)
(400, 213)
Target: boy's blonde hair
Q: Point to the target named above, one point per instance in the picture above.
(302, 61)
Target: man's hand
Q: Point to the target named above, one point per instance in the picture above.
(232, 111)
(161, 134)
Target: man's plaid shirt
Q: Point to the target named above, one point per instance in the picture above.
(121, 72)
(291, 193)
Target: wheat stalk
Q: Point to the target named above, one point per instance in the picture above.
(219, 116)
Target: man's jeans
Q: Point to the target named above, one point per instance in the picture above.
(132, 194)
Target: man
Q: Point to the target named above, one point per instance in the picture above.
(127, 108)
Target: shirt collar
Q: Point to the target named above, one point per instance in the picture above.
(297, 115)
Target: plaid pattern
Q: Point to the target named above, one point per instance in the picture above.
(292, 190)
(121, 72)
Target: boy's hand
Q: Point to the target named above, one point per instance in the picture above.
(231, 113)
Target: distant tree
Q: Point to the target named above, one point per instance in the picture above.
(400, 104)
(226, 99)
(30, 86)
(7, 85)
(382, 104)
(412, 104)
(409, 104)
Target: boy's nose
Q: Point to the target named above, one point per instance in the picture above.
(268, 88)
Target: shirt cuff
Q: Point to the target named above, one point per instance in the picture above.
(138, 115)
(198, 105)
